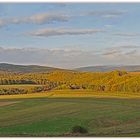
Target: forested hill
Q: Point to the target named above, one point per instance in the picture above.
(130, 68)
(40, 69)
(25, 68)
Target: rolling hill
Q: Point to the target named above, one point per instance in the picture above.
(36, 68)
(129, 68)
(25, 68)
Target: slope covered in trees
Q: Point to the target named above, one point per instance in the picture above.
(115, 81)
(25, 68)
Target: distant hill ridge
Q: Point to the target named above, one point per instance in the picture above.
(129, 68)
(25, 68)
(36, 68)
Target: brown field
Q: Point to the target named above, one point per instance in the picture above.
(5, 103)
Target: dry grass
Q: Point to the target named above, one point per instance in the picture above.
(72, 94)
(89, 93)
(24, 96)
(137, 73)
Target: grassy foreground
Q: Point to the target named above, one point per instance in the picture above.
(57, 116)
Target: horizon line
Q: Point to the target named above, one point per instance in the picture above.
(69, 68)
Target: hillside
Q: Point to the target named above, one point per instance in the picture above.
(25, 68)
(129, 68)
(115, 81)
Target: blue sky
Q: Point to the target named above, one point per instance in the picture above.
(70, 35)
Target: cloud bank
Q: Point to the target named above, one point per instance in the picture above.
(65, 58)
(70, 58)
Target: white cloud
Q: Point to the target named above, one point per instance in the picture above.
(106, 14)
(112, 52)
(41, 18)
(133, 52)
(129, 47)
(130, 58)
(125, 54)
(64, 31)
(127, 34)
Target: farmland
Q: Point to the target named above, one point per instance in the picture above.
(69, 103)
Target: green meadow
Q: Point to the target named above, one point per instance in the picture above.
(57, 116)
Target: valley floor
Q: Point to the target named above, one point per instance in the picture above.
(49, 115)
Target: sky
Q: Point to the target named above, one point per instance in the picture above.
(70, 35)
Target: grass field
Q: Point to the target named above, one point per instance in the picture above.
(53, 116)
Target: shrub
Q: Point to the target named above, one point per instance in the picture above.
(38, 89)
(79, 129)
(12, 91)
